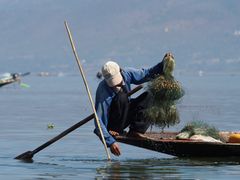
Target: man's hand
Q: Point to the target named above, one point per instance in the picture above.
(115, 149)
(168, 64)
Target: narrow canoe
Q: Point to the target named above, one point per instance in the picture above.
(168, 144)
(5, 82)
(11, 78)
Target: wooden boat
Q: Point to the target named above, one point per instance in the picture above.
(168, 144)
(11, 78)
(4, 82)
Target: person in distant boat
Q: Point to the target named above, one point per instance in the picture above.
(15, 76)
(115, 110)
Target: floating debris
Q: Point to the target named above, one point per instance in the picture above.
(24, 85)
(50, 126)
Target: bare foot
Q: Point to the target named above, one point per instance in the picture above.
(114, 133)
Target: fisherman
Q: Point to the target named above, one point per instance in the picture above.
(15, 76)
(115, 110)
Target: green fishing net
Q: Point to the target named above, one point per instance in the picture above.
(164, 93)
(165, 89)
(200, 128)
(162, 115)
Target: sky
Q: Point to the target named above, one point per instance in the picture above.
(203, 35)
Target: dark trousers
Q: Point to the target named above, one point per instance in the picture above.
(124, 112)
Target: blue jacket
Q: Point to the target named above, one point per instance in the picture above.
(105, 94)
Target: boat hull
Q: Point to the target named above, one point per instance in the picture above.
(182, 148)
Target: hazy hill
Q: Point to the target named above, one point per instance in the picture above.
(203, 35)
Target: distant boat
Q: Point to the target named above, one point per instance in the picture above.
(8, 78)
(168, 144)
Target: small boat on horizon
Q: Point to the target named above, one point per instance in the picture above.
(9, 78)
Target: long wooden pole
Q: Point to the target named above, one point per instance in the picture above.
(87, 88)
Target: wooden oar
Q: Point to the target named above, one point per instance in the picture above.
(27, 156)
(24, 74)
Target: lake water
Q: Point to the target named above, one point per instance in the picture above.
(62, 101)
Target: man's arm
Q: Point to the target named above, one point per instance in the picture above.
(110, 141)
(139, 76)
(101, 106)
(102, 115)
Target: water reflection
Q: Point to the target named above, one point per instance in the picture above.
(139, 169)
(169, 168)
(212, 161)
(84, 167)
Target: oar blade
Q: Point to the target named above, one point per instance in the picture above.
(25, 156)
(24, 74)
